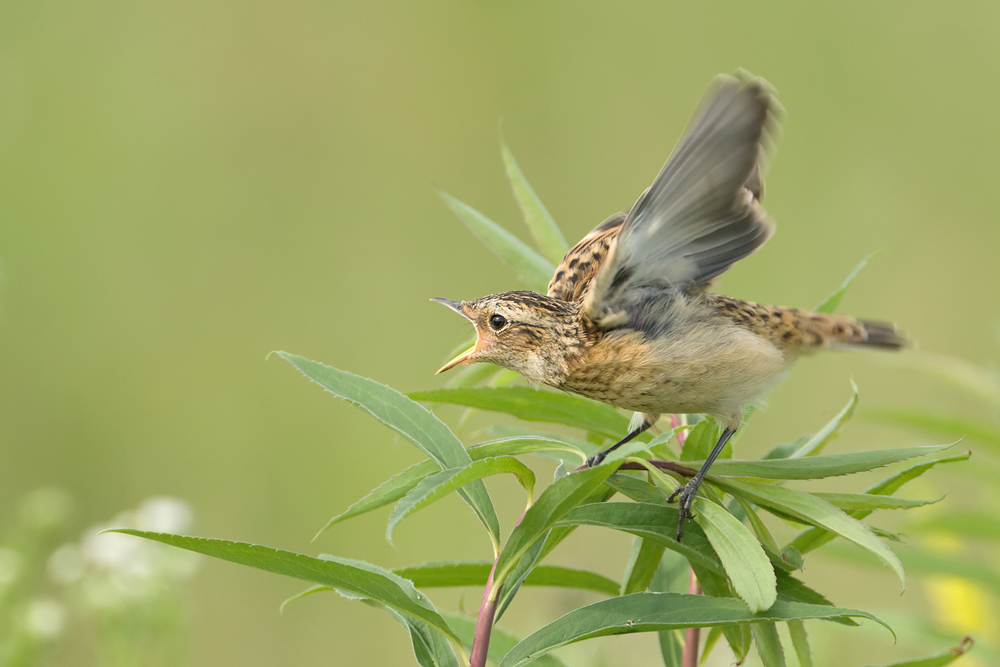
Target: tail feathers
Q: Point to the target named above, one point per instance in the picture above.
(815, 331)
(880, 334)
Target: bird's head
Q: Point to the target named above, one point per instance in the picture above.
(524, 331)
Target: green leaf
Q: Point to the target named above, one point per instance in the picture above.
(429, 648)
(408, 418)
(818, 467)
(830, 303)
(552, 504)
(528, 444)
(541, 548)
(713, 585)
(543, 228)
(671, 648)
(642, 565)
(653, 612)
(954, 426)
(501, 641)
(767, 541)
(440, 484)
(815, 444)
(701, 440)
(655, 522)
(745, 562)
(800, 642)
(472, 374)
(350, 577)
(475, 573)
(814, 538)
(817, 512)
(388, 492)
(940, 659)
(535, 405)
(765, 635)
(534, 269)
(399, 485)
(868, 501)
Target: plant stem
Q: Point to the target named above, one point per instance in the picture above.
(692, 635)
(487, 611)
(484, 624)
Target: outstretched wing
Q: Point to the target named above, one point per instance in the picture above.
(581, 263)
(702, 213)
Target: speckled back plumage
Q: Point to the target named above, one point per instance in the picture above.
(629, 319)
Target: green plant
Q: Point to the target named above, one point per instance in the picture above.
(747, 577)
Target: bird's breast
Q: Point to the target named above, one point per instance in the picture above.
(703, 368)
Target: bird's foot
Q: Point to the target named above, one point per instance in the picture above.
(684, 495)
(596, 459)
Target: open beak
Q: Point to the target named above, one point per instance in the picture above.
(468, 354)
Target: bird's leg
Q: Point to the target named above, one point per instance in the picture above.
(647, 421)
(685, 494)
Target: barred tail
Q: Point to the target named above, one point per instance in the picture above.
(815, 331)
(880, 334)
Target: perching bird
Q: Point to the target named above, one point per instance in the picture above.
(628, 318)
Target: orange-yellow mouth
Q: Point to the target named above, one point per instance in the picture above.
(480, 345)
(467, 355)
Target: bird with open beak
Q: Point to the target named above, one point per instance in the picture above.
(629, 319)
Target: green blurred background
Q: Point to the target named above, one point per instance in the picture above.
(186, 186)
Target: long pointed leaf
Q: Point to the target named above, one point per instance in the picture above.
(528, 264)
(830, 303)
(800, 642)
(552, 504)
(765, 636)
(475, 573)
(818, 467)
(817, 512)
(429, 648)
(815, 444)
(746, 564)
(813, 538)
(355, 578)
(399, 485)
(868, 501)
(437, 486)
(655, 522)
(940, 659)
(408, 418)
(543, 228)
(652, 612)
(534, 405)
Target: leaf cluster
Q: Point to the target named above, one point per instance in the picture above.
(748, 577)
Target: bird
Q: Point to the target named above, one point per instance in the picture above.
(629, 317)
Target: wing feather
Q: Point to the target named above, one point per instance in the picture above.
(703, 212)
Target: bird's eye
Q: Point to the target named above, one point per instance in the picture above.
(498, 322)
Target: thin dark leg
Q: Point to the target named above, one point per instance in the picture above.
(685, 494)
(599, 456)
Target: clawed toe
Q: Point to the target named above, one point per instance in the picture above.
(684, 496)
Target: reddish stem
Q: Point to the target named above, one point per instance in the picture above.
(484, 624)
(484, 621)
(691, 635)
